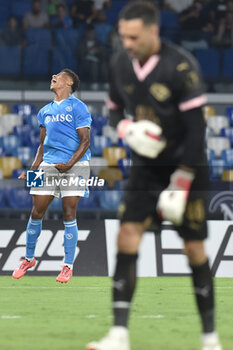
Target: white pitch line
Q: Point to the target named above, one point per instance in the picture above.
(91, 316)
(152, 316)
(8, 317)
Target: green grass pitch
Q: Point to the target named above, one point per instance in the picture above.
(37, 313)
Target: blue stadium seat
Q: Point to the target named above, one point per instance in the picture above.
(67, 39)
(98, 122)
(123, 143)
(16, 173)
(22, 131)
(113, 12)
(2, 152)
(227, 69)
(124, 164)
(169, 19)
(36, 61)
(110, 199)
(63, 59)
(25, 154)
(93, 132)
(10, 60)
(19, 8)
(229, 114)
(98, 143)
(32, 121)
(227, 132)
(39, 37)
(119, 185)
(10, 144)
(33, 141)
(227, 156)
(210, 154)
(209, 60)
(217, 166)
(19, 198)
(24, 109)
(89, 203)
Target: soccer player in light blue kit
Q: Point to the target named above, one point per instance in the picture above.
(63, 153)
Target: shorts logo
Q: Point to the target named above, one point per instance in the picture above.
(69, 236)
(47, 119)
(69, 109)
(35, 178)
(31, 232)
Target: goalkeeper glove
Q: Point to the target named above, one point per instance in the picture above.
(172, 201)
(143, 136)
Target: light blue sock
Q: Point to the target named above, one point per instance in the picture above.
(33, 232)
(70, 240)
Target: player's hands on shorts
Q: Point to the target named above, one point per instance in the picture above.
(23, 175)
(63, 167)
(143, 136)
(172, 201)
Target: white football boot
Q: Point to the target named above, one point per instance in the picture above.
(116, 339)
(211, 342)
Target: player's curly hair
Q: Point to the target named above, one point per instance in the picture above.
(74, 77)
(144, 10)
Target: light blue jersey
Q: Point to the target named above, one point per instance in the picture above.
(61, 121)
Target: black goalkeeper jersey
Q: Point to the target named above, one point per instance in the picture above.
(168, 90)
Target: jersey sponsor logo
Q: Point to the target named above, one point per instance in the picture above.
(160, 92)
(68, 108)
(61, 118)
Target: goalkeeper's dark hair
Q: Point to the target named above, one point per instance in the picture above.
(74, 77)
(144, 10)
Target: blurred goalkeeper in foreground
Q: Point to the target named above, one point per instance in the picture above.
(160, 85)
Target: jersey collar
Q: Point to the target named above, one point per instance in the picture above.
(146, 69)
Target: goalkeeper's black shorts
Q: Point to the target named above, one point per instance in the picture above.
(142, 192)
